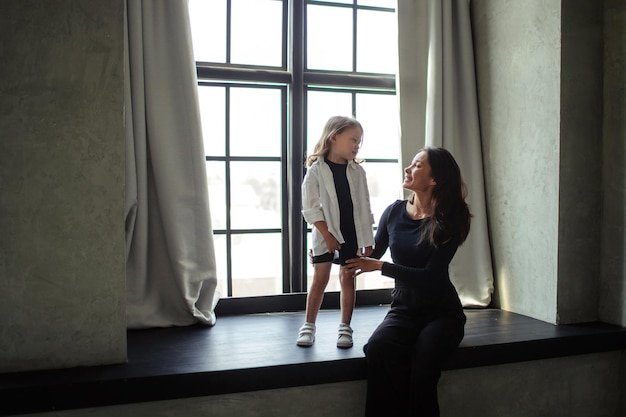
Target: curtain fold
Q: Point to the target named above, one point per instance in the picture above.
(170, 270)
(438, 107)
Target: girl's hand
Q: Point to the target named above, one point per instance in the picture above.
(331, 243)
(359, 265)
(367, 251)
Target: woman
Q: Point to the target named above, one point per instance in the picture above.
(425, 323)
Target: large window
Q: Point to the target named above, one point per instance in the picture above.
(271, 72)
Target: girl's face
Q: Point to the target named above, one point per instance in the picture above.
(417, 176)
(345, 145)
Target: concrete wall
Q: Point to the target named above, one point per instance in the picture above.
(518, 62)
(576, 386)
(580, 160)
(551, 95)
(62, 250)
(613, 261)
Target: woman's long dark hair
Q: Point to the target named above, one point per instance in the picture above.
(451, 217)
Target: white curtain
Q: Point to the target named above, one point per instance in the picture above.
(170, 270)
(438, 106)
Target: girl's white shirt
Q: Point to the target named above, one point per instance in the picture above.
(320, 203)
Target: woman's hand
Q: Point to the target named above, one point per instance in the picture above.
(359, 265)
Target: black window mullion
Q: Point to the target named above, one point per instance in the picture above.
(228, 29)
(229, 255)
(285, 207)
(297, 229)
(354, 35)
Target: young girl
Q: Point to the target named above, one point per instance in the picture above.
(335, 201)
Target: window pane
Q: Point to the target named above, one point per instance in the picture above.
(329, 38)
(321, 106)
(255, 122)
(216, 179)
(220, 264)
(384, 180)
(378, 3)
(257, 30)
(208, 29)
(338, 1)
(257, 264)
(378, 113)
(213, 117)
(255, 195)
(377, 45)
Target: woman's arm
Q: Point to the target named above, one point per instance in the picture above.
(427, 278)
(437, 265)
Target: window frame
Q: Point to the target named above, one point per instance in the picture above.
(294, 80)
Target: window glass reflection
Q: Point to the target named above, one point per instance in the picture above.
(378, 113)
(208, 30)
(255, 122)
(377, 49)
(255, 200)
(213, 117)
(257, 264)
(329, 38)
(257, 32)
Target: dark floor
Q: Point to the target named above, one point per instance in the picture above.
(252, 352)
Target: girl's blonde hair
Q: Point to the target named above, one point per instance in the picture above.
(334, 126)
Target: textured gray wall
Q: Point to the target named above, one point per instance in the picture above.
(613, 265)
(575, 386)
(518, 59)
(580, 190)
(62, 267)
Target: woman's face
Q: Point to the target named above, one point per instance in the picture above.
(417, 176)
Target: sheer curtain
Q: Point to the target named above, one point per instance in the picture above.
(438, 106)
(171, 274)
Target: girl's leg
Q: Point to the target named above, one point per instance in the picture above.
(348, 294)
(315, 296)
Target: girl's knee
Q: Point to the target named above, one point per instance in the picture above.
(345, 276)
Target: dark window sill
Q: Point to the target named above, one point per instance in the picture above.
(257, 351)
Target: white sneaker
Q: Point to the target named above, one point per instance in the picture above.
(345, 336)
(306, 335)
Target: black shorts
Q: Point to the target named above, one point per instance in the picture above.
(347, 251)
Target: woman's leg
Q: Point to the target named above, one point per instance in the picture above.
(434, 345)
(388, 354)
(315, 296)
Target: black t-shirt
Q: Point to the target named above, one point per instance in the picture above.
(346, 209)
(418, 268)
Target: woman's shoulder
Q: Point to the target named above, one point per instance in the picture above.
(395, 206)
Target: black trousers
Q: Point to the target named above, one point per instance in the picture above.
(405, 355)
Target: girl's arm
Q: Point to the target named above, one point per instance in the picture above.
(331, 241)
(311, 203)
